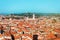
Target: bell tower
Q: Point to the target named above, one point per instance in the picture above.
(33, 16)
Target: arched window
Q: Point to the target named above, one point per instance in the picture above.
(35, 37)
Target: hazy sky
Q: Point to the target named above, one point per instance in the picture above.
(44, 6)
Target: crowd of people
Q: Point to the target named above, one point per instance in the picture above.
(42, 28)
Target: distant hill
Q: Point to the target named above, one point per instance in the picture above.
(30, 14)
